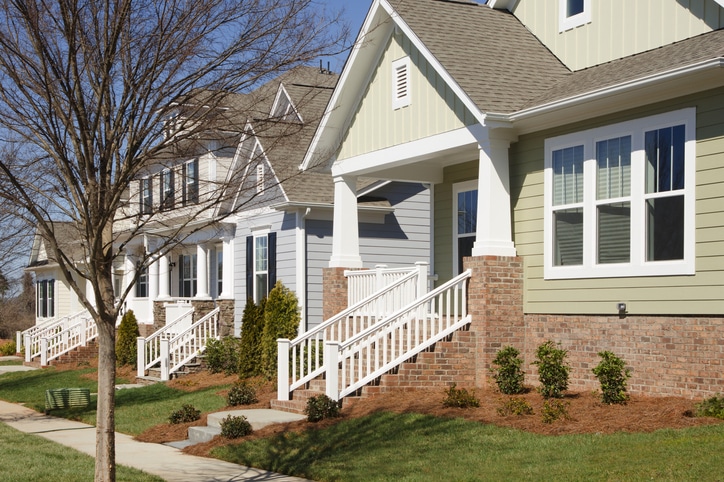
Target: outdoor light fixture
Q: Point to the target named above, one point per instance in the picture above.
(621, 308)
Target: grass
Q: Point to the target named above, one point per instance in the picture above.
(137, 409)
(26, 457)
(7, 363)
(416, 447)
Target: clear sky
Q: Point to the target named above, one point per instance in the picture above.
(354, 14)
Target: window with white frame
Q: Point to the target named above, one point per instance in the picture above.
(45, 298)
(146, 192)
(619, 199)
(261, 267)
(401, 83)
(167, 189)
(142, 283)
(187, 275)
(573, 13)
(219, 270)
(466, 221)
(260, 264)
(191, 182)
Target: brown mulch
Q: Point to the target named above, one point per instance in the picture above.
(586, 414)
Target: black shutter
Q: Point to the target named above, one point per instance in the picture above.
(183, 184)
(250, 267)
(181, 276)
(272, 268)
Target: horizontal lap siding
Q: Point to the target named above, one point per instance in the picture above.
(676, 295)
(319, 250)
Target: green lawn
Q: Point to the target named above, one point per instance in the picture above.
(5, 363)
(26, 457)
(414, 447)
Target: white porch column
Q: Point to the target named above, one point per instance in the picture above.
(202, 272)
(163, 268)
(494, 229)
(345, 232)
(152, 286)
(227, 282)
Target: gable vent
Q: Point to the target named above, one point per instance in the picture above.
(401, 83)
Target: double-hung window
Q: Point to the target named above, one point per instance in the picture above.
(260, 265)
(142, 283)
(191, 182)
(187, 275)
(167, 189)
(45, 302)
(619, 199)
(146, 192)
(466, 217)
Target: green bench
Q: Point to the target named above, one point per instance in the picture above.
(58, 398)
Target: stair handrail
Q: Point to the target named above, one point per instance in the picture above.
(32, 336)
(183, 347)
(148, 350)
(305, 350)
(375, 351)
(363, 282)
(76, 335)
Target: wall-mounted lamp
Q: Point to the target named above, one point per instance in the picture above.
(621, 309)
(171, 265)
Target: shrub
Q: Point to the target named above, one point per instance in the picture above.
(711, 407)
(222, 355)
(321, 407)
(241, 393)
(612, 375)
(554, 410)
(235, 427)
(281, 320)
(187, 413)
(8, 349)
(515, 406)
(126, 343)
(508, 375)
(552, 370)
(460, 398)
(252, 328)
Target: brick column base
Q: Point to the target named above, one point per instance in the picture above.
(334, 296)
(495, 301)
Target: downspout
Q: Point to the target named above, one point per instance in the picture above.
(301, 274)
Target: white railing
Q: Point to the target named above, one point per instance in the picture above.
(363, 283)
(31, 338)
(358, 361)
(76, 335)
(149, 349)
(182, 348)
(307, 349)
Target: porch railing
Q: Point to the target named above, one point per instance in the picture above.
(149, 349)
(31, 338)
(363, 283)
(183, 347)
(305, 352)
(352, 364)
(76, 335)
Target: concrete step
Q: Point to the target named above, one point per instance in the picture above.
(258, 418)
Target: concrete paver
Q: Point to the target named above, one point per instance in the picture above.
(167, 462)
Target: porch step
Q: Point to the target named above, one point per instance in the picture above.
(258, 418)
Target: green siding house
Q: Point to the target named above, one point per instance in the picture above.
(575, 153)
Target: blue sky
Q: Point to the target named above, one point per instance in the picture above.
(354, 14)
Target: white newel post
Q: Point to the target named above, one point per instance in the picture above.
(202, 272)
(18, 341)
(227, 284)
(165, 359)
(345, 230)
(141, 356)
(494, 234)
(422, 285)
(28, 348)
(83, 331)
(331, 367)
(153, 284)
(43, 352)
(283, 368)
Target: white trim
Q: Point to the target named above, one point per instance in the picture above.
(401, 83)
(638, 266)
(459, 187)
(567, 23)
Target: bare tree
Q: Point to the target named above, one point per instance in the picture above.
(94, 92)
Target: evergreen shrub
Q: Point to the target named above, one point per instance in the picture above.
(281, 320)
(552, 370)
(612, 375)
(252, 328)
(126, 340)
(507, 372)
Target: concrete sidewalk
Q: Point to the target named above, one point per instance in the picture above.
(167, 462)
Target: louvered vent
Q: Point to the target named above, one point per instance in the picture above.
(401, 83)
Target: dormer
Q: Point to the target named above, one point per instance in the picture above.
(283, 108)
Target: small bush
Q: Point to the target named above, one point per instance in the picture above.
(281, 320)
(612, 375)
(508, 375)
(235, 427)
(460, 398)
(223, 355)
(554, 410)
(552, 370)
(126, 343)
(187, 413)
(321, 407)
(241, 393)
(8, 349)
(252, 327)
(515, 406)
(711, 407)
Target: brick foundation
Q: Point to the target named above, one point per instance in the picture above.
(335, 291)
(201, 308)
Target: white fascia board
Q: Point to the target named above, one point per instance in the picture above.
(720, 2)
(372, 188)
(508, 5)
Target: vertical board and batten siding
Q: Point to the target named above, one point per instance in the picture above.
(433, 109)
(701, 294)
(402, 240)
(640, 25)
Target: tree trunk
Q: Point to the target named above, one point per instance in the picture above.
(105, 416)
